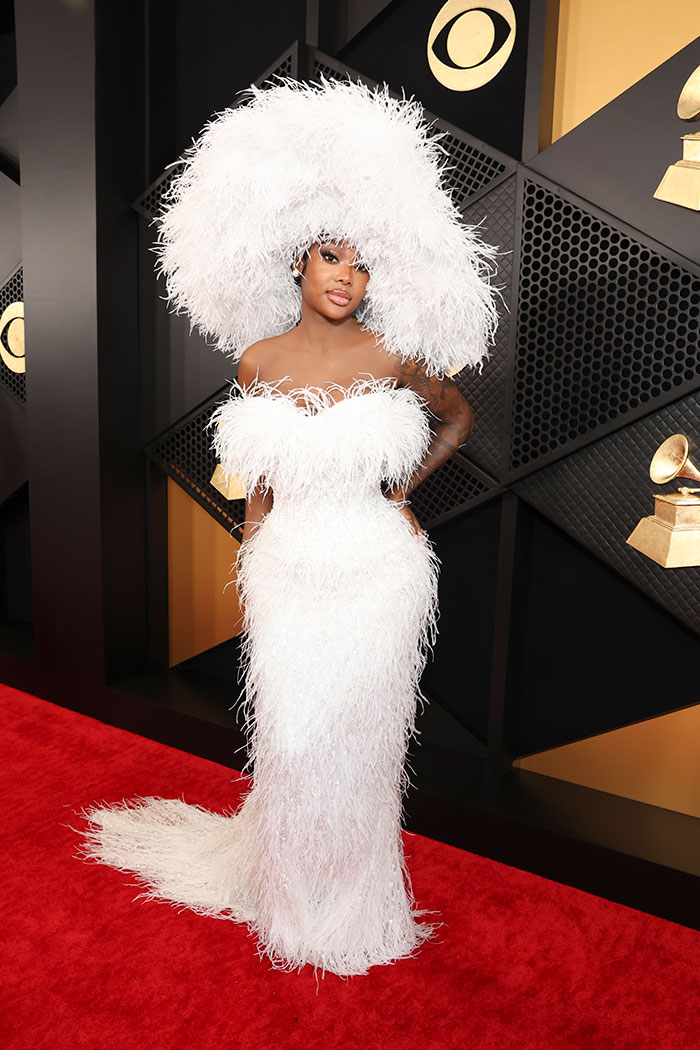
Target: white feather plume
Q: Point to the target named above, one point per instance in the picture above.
(299, 161)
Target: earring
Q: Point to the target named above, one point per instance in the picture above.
(295, 273)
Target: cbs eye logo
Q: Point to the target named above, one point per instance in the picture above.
(12, 338)
(470, 41)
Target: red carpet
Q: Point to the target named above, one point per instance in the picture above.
(523, 962)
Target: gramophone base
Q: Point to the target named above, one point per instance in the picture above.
(230, 487)
(681, 185)
(670, 547)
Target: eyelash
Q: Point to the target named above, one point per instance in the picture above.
(361, 268)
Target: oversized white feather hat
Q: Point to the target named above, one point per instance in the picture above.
(296, 162)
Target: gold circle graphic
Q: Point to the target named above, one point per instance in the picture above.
(12, 327)
(469, 42)
(471, 38)
(689, 100)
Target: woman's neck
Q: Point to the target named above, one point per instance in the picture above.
(323, 334)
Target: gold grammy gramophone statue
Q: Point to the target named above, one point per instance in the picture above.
(230, 486)
(671, 536)
(681, 183)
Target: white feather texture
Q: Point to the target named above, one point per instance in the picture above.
(296, 162)
(340, 601)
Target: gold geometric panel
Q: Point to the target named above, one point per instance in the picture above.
(617, 46)
(655, 761)
(203, 608)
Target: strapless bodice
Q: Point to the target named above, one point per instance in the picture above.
(338, 442)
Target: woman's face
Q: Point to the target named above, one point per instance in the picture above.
(331, 283)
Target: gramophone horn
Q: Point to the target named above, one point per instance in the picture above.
(672, 460)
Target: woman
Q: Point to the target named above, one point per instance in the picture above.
(329, 347)
(338, 582)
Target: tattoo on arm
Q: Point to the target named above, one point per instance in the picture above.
(442, 395)
(455, 419)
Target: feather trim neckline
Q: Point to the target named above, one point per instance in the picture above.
(311, 400)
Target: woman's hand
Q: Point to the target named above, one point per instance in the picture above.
(408, 514)
(257, 506)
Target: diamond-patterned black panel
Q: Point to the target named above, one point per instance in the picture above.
(599, 494)
(449, 491)
(149, 203)
(325, 66)
(606, 327)
(184, 453)
(285, 66)
(470, 167)
(486, 392)
(12, 291)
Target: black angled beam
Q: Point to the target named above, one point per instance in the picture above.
(82, 162)
(9, 168)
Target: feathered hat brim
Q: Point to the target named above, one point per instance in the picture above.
(297, 161)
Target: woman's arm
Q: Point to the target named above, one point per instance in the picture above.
(257, 505)
(455, 420)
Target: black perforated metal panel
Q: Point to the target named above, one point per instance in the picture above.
(184, 453)
(599, 494)
(607, 327)
(12, 291)
(149, 203)
(486, 391)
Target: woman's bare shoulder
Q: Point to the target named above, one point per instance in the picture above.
(407, 371)
(380, 362)
(257, 362)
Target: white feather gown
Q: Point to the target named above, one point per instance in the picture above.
(340, 601)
